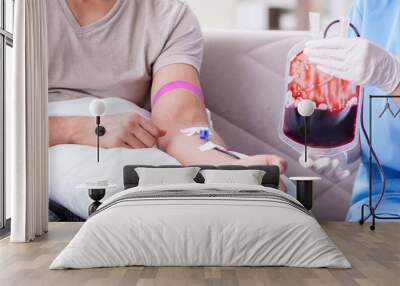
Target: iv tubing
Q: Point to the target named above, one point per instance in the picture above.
(378, 163)
(367, 138)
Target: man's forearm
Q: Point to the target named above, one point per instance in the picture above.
(181, 109)
(185, 150)
(63, 130)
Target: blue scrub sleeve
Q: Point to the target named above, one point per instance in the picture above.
(356, 16)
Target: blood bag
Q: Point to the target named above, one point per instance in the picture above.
(332, 128)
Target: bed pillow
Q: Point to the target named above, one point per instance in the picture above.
(72, 165)
(242, 177)
(166, 176)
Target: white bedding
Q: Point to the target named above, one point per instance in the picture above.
(73, 165)
(201, 231)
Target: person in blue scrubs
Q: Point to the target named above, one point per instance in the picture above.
(372, 62)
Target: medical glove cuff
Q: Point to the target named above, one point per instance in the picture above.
(390, 74)
(395, 82)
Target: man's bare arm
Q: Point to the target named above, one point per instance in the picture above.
(180, 109)
(64, 130)
(124, 130)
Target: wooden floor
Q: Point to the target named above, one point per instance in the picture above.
(375, 257)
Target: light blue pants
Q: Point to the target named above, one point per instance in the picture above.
(388, 207)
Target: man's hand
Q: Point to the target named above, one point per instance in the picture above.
(125, 130)
(263, 160)
(356, 60)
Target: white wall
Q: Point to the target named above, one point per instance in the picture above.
(218, 14)
(229, 14)
(340, 8)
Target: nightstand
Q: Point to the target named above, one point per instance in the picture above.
(304, 190)
(96, 193)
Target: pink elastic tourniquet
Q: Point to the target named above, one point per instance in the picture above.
(177, 85)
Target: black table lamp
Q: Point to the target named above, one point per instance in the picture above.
(98, 108)
(305, 185)
(306, 109)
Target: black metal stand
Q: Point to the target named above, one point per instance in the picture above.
(96, 195)
(305, 193)
(100, 131)
(305, 138)
(370, 205)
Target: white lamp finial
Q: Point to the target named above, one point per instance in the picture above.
(97, 107)
(306, 108)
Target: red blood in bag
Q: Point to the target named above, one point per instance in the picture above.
(333, 123)
(307, 82)
(325, 129)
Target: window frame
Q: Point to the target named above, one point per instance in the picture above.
(6, 39)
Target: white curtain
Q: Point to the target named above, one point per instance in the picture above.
(26, 124)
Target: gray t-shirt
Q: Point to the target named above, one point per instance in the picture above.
(117, 55)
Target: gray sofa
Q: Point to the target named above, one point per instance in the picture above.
(243, 80)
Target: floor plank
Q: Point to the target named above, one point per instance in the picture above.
(375, 257)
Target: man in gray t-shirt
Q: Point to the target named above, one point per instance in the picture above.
(130, 49)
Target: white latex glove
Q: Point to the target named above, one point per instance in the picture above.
(355, 60)
(331, 167)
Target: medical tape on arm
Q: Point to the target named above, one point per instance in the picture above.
(209, 145)
(177, 85)
(196, 130)
(212, 146)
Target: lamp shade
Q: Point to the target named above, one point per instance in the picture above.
(97, 107)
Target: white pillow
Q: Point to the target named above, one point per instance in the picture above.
(72, 165)
(166, 176)
(242, 177)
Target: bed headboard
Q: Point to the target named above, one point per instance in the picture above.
(271, 178)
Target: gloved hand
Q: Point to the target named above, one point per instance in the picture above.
(355, 60)
(331, 167)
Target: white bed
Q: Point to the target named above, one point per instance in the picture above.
(135, 227)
